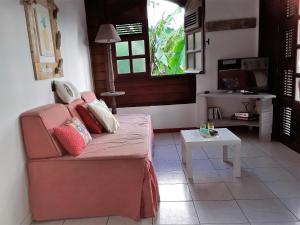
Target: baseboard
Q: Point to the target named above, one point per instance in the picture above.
(27, 220)
(173, 130)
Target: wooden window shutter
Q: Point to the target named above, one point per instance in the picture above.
(288, 82)
(290, 7)
(194, 28)
(192, 20)
(289, 40)
(129, 29)
(286, 121)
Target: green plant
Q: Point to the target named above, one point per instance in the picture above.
(167, 46)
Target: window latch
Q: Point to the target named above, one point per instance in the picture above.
(207, 41)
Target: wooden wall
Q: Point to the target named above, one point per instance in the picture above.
(269, 41)
(273, 42)
(140, 91)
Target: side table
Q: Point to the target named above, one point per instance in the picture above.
(113, 95)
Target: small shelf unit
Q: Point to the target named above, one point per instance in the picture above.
(264, 107)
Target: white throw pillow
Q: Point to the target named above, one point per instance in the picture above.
(66, 91)
(102, 113)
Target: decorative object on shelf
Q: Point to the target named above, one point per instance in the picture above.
(245, 116)
(107, 34)
(248, 115)
(42, 31)
(214, 113)
(246, 105)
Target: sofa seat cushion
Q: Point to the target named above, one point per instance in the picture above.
(132, 140)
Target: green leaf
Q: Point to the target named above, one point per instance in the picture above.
(167, 46)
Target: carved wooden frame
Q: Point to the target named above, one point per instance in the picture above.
(44, 69)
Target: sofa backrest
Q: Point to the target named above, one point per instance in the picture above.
(88, 96)
(72, 108)
(37, 128)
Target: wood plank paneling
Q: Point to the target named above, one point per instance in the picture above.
(278, 41)
(140, 90)
(235, 24)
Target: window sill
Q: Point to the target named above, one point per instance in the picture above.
(157, 77)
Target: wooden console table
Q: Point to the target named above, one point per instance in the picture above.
(264, 107)
(113, 95)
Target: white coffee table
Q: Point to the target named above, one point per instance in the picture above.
(193, 140)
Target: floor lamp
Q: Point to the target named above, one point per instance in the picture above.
(107, 34)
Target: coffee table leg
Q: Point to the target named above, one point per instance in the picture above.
(189, 163)
(225, 153)
(237, 161)
(183, 151)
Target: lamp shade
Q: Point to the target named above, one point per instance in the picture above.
(107, 34)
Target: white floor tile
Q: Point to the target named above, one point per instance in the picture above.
(226, 224)
(273, 174)
(251, 150)
(258, 162)
(174, 192)
(285, 189)
(219, 164)
(293, 204)
(161, 165)
(267, 167)
(267, 210)
(200, 165)
(210, 191)
(176, 213)
(227, 175)
(177, 138)
(58, 222)
(204, 176)
(174, 177)
(87, 221)
(249, 189)
(288, 223)
(116, 220)
(163, 139)
(219, 212)
(165, 152)
(196, 153)
(213, 152)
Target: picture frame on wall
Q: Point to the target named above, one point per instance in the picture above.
(44, 38)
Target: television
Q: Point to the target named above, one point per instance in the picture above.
(243, 74)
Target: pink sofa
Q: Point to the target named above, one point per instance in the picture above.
(114, 175)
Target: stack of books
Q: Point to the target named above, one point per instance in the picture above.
(246, 116)
(214, 113)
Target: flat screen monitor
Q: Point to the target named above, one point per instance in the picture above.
(250, 74)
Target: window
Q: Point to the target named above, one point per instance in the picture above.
(194, 62)
(195, 39)
(130, 56)
(166, 38)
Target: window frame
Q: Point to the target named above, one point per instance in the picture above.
(130, 39)
(194, 51)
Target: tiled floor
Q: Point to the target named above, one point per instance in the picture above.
(268, 193)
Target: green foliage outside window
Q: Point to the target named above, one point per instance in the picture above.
(167, 46)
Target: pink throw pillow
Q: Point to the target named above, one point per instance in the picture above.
(73, 136)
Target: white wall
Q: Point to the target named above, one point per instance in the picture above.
(227, 44)
(168, 116)
(19, 92)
